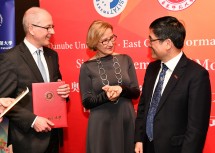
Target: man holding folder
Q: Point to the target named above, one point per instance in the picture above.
(31, 62)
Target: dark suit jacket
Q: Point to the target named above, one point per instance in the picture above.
(182, 117)
(18, 70)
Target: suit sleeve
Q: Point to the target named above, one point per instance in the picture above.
(139, 122)
(19, 115)
(199, 105)
(58, 69)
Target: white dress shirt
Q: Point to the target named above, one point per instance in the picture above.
(33, 50)
(171, 64)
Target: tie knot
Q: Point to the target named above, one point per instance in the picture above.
(38, 52)
(164, 67)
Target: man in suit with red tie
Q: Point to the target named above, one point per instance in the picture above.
(174, 108)
(20, 67)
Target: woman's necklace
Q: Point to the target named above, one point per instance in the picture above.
(102, 72)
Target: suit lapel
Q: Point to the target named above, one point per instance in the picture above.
(152, 78)
(176, 75)
(28, 58)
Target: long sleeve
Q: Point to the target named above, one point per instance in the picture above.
(132, 90)
(89, 99)
(140, 123)
(21, 116)
(18, 70)
(199, 106)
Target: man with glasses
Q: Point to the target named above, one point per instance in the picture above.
(174, 108)
(31, 62)
(49, 28)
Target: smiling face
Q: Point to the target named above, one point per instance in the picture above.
(38, 26)
(158, 50)
(106, 43)
(166, 38)
(162, 49)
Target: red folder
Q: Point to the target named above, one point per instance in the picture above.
(47, 103)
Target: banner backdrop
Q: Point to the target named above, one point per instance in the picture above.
(7, 24)
(3, 136)
(130, 19)
(7, 40)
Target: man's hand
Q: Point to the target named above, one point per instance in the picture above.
(63, 90)
(43, 124)
(4, 103)
(138, 147)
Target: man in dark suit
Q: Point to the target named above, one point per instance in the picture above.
(174, 118)
(19, 68)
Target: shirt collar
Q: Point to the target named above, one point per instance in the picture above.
(31, 47)
(171, 64)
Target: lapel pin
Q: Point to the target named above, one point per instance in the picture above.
(175, 76)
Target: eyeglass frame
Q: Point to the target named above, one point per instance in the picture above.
(47, 28)
(152, 40)
(108, 40)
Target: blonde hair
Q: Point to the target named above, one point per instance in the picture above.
(95, 32)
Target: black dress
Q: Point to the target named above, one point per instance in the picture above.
(110, 126)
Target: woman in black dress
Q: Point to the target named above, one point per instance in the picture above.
(108, 83)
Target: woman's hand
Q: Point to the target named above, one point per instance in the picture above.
(112, 92)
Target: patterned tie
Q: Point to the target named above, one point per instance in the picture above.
(41, 66)
(154, 103)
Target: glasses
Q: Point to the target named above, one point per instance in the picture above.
(106, 41)
(49, 28)
(152, 40)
